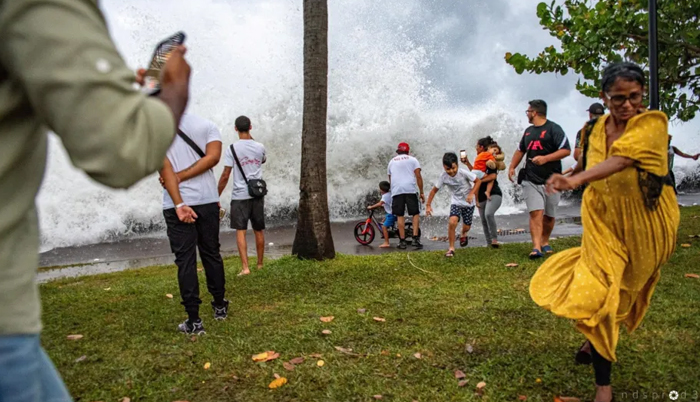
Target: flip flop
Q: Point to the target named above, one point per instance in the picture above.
(548, 249)
(535, 254)
(450, 253)
(583, 357)
(463, 241)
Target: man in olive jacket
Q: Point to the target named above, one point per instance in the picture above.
(60, 71)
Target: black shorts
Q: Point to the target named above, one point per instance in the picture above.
(252, 210)
(400, 203)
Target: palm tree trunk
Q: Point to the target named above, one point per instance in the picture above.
(313, 238)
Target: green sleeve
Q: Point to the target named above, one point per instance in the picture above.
(61, 54)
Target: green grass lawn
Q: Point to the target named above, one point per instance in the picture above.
(470, 313)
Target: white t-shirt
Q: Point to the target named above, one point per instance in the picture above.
(403, 177)
(460, 185)
(251, 154)
(387, 202)
(198, 190)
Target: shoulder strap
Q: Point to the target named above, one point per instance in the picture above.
(233, 150)
(191, 143)
(585, 135)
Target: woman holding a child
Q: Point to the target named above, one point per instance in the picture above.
(486, 166)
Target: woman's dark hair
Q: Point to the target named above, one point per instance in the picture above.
(449, 158)
(625, 70)
(385, 186)
(485, 142)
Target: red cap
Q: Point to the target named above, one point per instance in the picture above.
(403, 147)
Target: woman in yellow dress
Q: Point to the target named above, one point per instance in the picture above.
(630, 219)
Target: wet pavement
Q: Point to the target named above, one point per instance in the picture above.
(146, 251)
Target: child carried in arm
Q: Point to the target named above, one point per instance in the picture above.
(389, 219)
(464, 185)
(497, 163)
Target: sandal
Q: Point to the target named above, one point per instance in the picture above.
(548, 249)
(463, 241)
(583, 357)
(450, 253)
(536, 254)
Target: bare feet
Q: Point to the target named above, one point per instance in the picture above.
(603, 393)
(385, 245)
(245, 271)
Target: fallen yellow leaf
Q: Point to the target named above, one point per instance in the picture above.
(379, 319)
(327, 319)
(685, 245)
(108, 288)
(320, 363)
(169, 296)
(207, 365)
(277, 383)
(539, 381)
(266, 356)
(74, 337)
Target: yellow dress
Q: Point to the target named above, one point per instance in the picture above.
(610, 279)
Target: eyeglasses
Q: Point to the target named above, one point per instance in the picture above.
(529, 111)
(619, 100)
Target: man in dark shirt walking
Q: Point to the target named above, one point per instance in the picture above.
(545, 145)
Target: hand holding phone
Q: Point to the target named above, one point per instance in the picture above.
(463, 154)
(157, 70)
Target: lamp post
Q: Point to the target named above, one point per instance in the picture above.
(653, 58)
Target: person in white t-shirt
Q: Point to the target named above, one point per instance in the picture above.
(406, 180)
(390, 218)
(459, 182)
(191, 211)
(245, 208)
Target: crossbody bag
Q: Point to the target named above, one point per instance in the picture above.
(257, 188)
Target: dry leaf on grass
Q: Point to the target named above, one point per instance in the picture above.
(320, 363)
(418, 355)
(80, 359)
(125, 399)
(512, 265)
(200, 269)
(108, 288)
(459, 374)
(694, 276)
(462, 383)
(384, 353)
(169, 296)
(316, 355)
(469, 348)
(379, 319)
(74, 337)
(378, 397)
(327, 319)
(522, 398)
(326, 332)
(278, 382)
(297, 360)
(288, 366)
(266, 356)
(539, 381)
(481, 385)
(567, 399)
(276, 375)
(207, 365)
(685, 245)
(361, 310)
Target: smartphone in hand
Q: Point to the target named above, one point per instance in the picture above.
(160, 56)
(463, 154)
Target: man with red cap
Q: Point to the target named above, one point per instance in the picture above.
(405, 178)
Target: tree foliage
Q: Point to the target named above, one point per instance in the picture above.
(593, 34)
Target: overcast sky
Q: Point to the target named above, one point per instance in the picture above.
(465, 43)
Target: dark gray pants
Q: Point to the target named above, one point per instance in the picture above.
(487, 213)
(185, 238)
